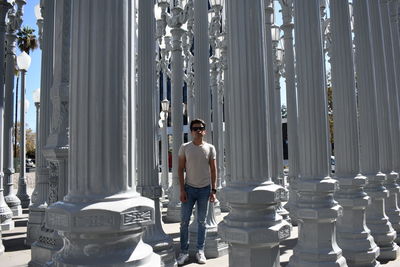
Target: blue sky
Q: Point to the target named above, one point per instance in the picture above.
(33, 74)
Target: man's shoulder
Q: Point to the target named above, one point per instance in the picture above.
(187, 144)
(184, 146)
(209, 145)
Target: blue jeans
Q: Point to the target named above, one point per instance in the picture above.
(200, 196)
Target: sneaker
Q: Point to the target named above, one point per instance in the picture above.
(201, 258)
(182, 258)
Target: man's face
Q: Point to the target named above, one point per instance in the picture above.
(198, 130)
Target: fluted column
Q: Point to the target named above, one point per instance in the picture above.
(201, 64)
(351, 227)
(392, 209)
(377, 220)
(316, 209)
(291, 100)
(252, 228)
(174, 205)
(101, 218)
(14, 23)
(394, 19)
(148, 184)
(6, 222)
(394, 22)
(56, 148)
(40, 193)
(383, 115)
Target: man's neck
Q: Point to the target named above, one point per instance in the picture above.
(197, 141)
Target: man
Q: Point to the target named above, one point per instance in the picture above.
(199, 159)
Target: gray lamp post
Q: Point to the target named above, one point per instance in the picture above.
(39, 22)
(278, 59)
(164, 142)
(291, 100)
(5, 212)
(276, 118)
(177, 18)
(23, 62)
(36, 100)
(14, 23)
(39, 195)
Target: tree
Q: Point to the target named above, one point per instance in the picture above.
(30, 142)
(26, 40)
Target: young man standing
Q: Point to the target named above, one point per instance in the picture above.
(198, 158)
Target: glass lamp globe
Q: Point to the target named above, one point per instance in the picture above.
(36, 96)
(279, 54)
(157, 12)
(165, 105)
(167, 31)
(162, 45)
(275, 33)
(23, 61)
(210, 16)
(38, 12)
(216, 2)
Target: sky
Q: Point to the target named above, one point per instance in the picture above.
(33, 74)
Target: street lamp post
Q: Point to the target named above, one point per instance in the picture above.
(164, 142)
(23, 62)
(189, 62)
(179, 15)
(5, 212)
(39, 23)
(278, 68)
(36, 100)
(42, 174)
(291, 100)
(14, 23)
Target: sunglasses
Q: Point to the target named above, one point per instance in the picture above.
(194, 129)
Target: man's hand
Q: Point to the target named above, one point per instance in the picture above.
(183, 196)
(213, 197)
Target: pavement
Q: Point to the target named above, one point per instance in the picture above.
(18, 255)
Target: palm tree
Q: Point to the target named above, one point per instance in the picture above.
(26, 40)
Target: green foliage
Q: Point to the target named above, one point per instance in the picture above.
(26, 39)
(30, 142)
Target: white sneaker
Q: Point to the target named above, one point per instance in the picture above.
(182, 258)
(201, 258)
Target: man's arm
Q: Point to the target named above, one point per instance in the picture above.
(213, 169)
(181, 168)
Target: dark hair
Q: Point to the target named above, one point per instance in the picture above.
(197, 121)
